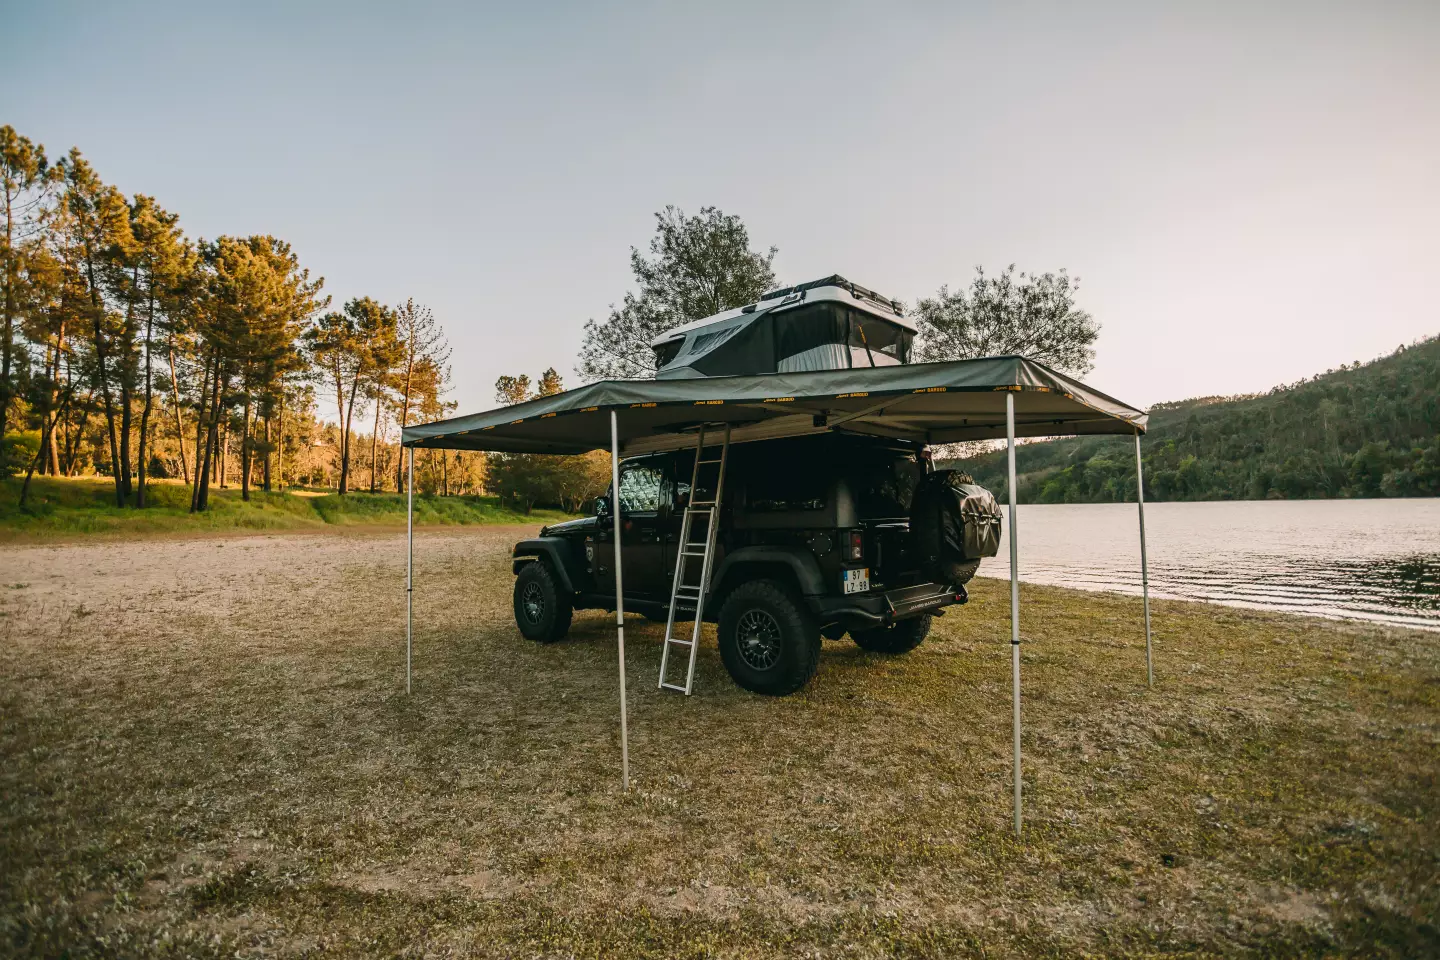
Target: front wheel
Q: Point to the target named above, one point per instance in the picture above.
(901, 637)
(768, 640)
(542, 612)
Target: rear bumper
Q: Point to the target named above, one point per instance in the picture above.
(882, 608)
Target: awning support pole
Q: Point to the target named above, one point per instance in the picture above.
(409, 560)
(1144, 566)
(619, 596)
(1014, 598)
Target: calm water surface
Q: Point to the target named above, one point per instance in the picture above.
(1358, 559)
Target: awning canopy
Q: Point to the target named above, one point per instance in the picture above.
(921, 402)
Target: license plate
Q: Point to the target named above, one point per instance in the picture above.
(856, 581)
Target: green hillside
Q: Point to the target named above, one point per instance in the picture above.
(1370, 430)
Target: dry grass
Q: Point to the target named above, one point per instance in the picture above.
(206, 748)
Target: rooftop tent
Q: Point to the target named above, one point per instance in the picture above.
(978, 399)
(829, 324)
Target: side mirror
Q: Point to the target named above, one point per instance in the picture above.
(590, 507)
(601, 506)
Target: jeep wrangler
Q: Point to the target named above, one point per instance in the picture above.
(817, 536)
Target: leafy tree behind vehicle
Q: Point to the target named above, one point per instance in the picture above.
(1012, 313)
(698, 266)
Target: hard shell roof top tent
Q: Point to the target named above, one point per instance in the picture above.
(920, 402)
(827, 324)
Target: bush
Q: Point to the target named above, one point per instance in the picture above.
(18, 450)
(526, 480)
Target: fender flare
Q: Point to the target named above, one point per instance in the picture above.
(801, 563)
(561, 554)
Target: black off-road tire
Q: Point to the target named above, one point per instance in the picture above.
(957, 573)
(768, 640)
(900, 637)
(542, 609)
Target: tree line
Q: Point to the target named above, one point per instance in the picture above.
(133, 351)
(1364, 430)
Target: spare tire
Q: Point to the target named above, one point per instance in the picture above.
(954, 522)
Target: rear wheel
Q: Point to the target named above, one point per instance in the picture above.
(957, 573)
(542, 611)
(768, 640)
(900, 637)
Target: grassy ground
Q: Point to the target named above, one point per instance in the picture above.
(206, 748)
(64, 508)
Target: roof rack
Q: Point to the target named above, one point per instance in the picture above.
(835, 280)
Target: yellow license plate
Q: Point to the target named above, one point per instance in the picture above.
(856, 581)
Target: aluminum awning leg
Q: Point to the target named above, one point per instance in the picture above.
(1144, 566)
(619, 596)
(409, 560)
(1014, 598)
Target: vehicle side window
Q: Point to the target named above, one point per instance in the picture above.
(784, 491)
(640, 488)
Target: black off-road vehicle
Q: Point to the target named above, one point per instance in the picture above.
(816, 536)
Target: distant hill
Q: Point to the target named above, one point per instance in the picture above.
(1368, 430)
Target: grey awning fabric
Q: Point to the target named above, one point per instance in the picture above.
(921, 402)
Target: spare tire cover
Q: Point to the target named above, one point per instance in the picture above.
(953, 522)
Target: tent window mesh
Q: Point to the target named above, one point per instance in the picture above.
(809, 327)
(880, 338)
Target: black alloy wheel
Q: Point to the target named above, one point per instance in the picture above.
(542, 611)
(769, 642)
(758, 639)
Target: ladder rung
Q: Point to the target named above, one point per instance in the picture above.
(680, 640)
(674, 686)
(693, 553)
(708, 506)
(712, 461)
(683, 590)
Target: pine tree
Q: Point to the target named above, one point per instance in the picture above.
(422, 342)
(94, 225)
(350, 345)
(25, 179)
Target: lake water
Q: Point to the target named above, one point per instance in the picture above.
(1356, 559)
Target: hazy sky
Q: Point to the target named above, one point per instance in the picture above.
(1249, 192)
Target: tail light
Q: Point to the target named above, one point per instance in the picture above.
(854, 546)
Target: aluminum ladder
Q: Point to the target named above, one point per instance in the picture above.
(692, 594)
